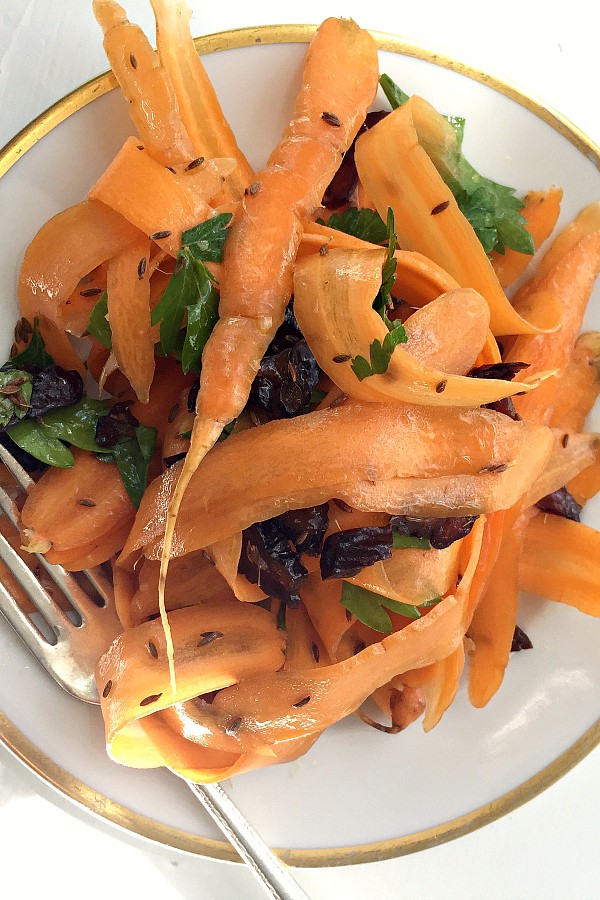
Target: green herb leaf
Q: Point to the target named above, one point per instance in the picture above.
(491, 208)
(225, 433)
(74, 424)
(368, 607)
(34, 353)
(99, 326)
(281, 624)
(394, 93)
(15, 394)
(365, 224)
(133, 457)
(380, 354)
(433, 602)
(36, 441)
(201, 319)
(180, 292)
(205, 241)
(406, 542)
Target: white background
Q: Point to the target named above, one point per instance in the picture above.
(51, 849)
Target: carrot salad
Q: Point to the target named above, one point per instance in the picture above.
(316, 445)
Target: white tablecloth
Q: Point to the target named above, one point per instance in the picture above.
(51, 849)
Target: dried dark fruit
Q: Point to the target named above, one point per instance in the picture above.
(503, 370)
(268, 560)
(285, 382)
(171, 460)
(345, 179)
(193, 396)
(54, 388)
(561, 503)
(520, 641)
(348, 552)
(117, 425)
(439, 532)
(25, 459)
(305, 528)
(287, 335)
(505, 406)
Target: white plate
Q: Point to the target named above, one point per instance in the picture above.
(357, 794)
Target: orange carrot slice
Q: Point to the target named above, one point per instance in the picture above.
(155, 200)
(494, 619)
(129, 316)
(570, 281)
(579, 384)
(146, 86)
(333, 301)
(561, 562)
(64, 250)
(397, 172)
(239, 640)
(541, 211)
(197, 101)
(378, 449)
(54, 512)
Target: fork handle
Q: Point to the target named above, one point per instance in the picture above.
(267, 868)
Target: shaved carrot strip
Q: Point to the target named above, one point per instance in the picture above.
(63, 251)
(156, 200)
(197, 101)
(146, 86)
(129, 316)
(397, 172)
(541, 211)
(333, 301)
(570, 280)
(561, 562)
(579, 384)
(493, 624)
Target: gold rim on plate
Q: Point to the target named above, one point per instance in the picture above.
(134, 822)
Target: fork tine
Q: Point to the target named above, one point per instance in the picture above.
(16, 469)
(39, 596)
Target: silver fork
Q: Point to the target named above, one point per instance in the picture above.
(71, 659)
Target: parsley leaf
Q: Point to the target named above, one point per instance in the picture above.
(380, 352)
(206, 240)
(133, 457)
(491, 208)
(34, 353)
(99, 326)
(407, 542)
(191, 290)
(44, 438)
(15, 394)
(368, 607)
(365, 224)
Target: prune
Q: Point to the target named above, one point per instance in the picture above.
(503, 370)
(348, 552)
(305, 528)
(120, 423)
(192, 396)
(520, 641)
(54, 388)
(344, 181)
(505, 406)
(439, 532)
(561, 503)
(287, 334)
(285, 382)
(268, 560)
